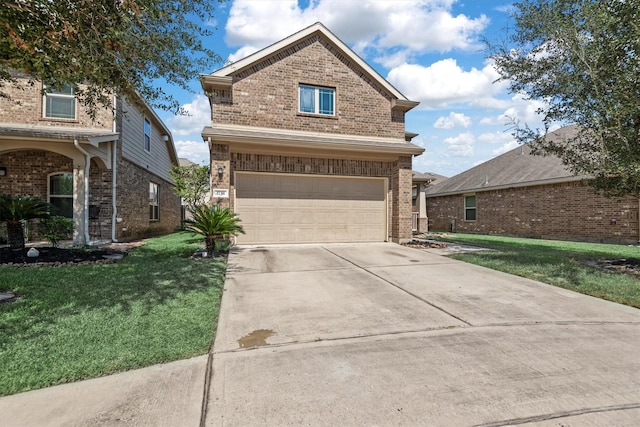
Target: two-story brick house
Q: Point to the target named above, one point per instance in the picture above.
(308, 144)
(110, 174)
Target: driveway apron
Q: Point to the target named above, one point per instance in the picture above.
(381, 334)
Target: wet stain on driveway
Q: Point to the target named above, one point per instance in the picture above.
(256, 338)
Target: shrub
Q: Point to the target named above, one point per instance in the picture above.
(56, 228)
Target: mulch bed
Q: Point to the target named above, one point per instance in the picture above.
(620, 265)
(421, 244)
(57, 257)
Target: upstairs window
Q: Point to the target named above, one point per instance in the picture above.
(60, 103)
(470, 208)
(317, 100)
(147, 135)
(61, 194)
(154, 202)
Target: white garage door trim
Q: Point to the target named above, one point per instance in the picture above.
(328, 208)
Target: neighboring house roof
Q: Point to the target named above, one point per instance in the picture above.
(185, 162)
(221, 78)
(91, 135)
(426, 177)
(300, 139)
(515, 168)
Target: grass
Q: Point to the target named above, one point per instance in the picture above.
(155, 305)
(557, 263)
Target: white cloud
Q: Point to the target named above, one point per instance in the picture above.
(198, 116)
(520, 110)
(365, 24)
(461, 145)
(497, 137)
(506, 147)
(445, 82)
(454, 120)
(241, 53)
(196, 151)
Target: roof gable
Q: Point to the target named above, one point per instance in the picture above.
(222, 77)
(515, 168)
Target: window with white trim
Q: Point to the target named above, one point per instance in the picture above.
(470, 208)
(317, 100)
(61, 194)
(59, 103)
(147, 135)
(154, 201)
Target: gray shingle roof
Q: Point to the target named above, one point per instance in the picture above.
(54, 132)
(427, 177)
(517, 167)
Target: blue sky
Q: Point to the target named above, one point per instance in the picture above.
(431, 50)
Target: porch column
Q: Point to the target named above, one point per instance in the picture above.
(79, 192)
(423, 225)
(221, 189)
(402, 209)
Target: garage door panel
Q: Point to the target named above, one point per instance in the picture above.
(297, 209)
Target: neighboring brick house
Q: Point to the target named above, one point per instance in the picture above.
(109, 174)
(308, 144)
(519, 194)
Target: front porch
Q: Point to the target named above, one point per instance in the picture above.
(69, 167)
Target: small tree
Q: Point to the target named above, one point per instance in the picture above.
(215, 223)
(192, 184)
(14, 211)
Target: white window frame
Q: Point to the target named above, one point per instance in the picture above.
(147, 136)
(154, 202)
(316, 100)
(474, 207)
(56, 94)
(59, 196)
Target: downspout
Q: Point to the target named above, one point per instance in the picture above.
(114, 192)
(114, 178)
(87, 165)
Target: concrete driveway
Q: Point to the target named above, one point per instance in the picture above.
(380, 334)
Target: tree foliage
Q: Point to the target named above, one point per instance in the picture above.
(192, 184)
(122, 46)
(582, 58)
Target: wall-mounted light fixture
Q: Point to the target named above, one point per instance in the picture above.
(3, 171)
(220, 171)
(165, 137)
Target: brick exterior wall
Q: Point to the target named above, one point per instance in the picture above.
(24, 106)
(133, 204)
(266, 94)
(566, 211)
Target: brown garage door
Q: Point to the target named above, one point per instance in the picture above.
(303, 209)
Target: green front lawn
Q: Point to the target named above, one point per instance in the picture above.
(558, 263)
(72, 323)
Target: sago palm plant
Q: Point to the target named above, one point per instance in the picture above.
(215, 223)
(15, 210)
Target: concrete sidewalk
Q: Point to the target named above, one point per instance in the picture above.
(380, 334)
(162, 395)
(375, 334)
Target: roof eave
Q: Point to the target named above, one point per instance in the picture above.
(300, 35)
(559, 180)
(298, 141)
